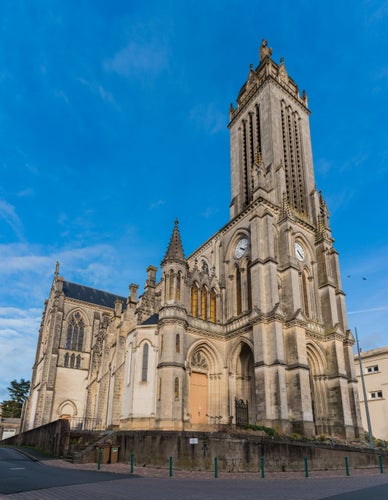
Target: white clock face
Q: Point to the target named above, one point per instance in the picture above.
(299, 252)
(241, 248)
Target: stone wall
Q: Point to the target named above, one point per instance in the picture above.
(197, 450)
(52, 438)
(235, 452)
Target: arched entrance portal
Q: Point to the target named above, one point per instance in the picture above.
(204, 386)
(199, 390)
(67, 410)
(318, 385)
(244, 397)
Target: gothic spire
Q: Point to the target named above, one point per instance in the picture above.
(175, 248)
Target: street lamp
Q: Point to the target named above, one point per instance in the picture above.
(371, 442)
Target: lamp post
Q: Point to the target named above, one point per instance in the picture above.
(371, 443)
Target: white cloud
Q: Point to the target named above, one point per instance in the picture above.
(138, 59)
(157, 204)
(61, 95)
(8, 214)
(209, 212)
(98, 89)
(371, 309)
(19, 329)
(208, 117)
(323, 166)
(26, 192)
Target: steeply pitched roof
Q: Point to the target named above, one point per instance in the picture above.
(91, 295)
(175, 248)
(152, 320)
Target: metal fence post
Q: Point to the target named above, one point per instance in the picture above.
(132, 462)
(381, 464)
(170, 466)
(262, 466)
(306, 467)
(99, 459)
(347, 466)
(215, 467)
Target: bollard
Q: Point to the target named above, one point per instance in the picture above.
(347, 466)
(306, 467)
(215, 467)
(99, 459)
(262, 466)
(132, 462)
(381, 464)
(170, 466)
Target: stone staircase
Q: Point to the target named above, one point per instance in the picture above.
(83, 444)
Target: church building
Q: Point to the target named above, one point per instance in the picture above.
(251, 328)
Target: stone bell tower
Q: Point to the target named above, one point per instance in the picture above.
(303, 363)
(270, 141)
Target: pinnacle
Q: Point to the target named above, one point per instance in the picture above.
(175, 248)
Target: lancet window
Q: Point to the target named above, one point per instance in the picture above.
(176, 388)
(178, 287)
(144, 367)
(75, 333)
(204, 302)
(213, 306)
(293, 158)
(72, 360)
(305, 290)
(249, 286)
(194, 300)
(171, 286)
(238, 291)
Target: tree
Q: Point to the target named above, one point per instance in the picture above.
(18, 391)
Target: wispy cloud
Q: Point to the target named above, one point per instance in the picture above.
(209, 212)
(323, 166)
(379, 14)
(98, 89)
(8, 214)
(157, 204)
(138, 59)
(372, 309)
(208, 117)
(18, 335)
(61, 95)
(25, 192)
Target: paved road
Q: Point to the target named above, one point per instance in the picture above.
(19, 473)
(23, 479)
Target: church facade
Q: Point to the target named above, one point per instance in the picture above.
(249, 329)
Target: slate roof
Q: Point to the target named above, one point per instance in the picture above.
(91, 295)
(152, 320)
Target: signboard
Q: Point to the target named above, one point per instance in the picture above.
(193, 440)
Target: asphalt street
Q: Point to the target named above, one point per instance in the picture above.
(19, 473)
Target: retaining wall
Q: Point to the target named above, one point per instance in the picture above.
(235, 451)
(52, 438)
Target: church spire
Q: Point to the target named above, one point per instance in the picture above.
(175, 248)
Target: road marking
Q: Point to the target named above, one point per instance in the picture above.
(17, 468)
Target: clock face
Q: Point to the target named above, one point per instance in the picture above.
(299, 252)
(241, 248)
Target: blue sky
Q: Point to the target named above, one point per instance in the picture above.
(113, 122)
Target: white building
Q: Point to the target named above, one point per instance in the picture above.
(375, 369)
